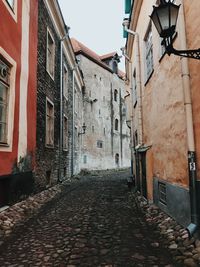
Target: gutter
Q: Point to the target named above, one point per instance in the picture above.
(193, 226)
(61, 106)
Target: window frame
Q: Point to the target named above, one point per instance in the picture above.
(116, 124)
(116, 95)
(7, 147)
(65, 81)
(11, 10)
(148, 53)
(99, 144)
(49, 145)
(65, 133)
(48, 69)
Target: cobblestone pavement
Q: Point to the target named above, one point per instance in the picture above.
(92, 223)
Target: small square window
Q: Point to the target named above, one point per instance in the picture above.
(100, 144)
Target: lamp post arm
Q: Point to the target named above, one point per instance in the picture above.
(195, 53)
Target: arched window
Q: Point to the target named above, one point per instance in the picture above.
(115, 95)
(116, 124)
(117, 159)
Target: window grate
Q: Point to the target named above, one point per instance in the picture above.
(162, 193)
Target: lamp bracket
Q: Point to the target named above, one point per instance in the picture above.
(195, 53)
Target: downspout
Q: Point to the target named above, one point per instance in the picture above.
(192, 227)
(72, 148)
(138, 81)
(61, 106)
(121, 133)
(131, 92)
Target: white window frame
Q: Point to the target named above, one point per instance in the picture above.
(148, 43)
(49, 145)
(49, 34)
(7, 147)
(65, 81)
(65, 133)
(11, 10)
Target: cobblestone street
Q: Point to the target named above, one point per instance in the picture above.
(92, 223)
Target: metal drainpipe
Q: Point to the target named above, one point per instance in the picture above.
(131, 92)
(72, 150)
(138, 81)
(61, 106)
(192, 227)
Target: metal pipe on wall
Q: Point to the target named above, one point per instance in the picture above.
(61, 105)
(189, 122)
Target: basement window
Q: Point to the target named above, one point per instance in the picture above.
(162, 193)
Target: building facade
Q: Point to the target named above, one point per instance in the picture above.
(18, 58)
(164, 138)
(105, 144)
(59, 93)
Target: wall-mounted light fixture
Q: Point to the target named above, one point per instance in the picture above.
(164, 18)
(84, 129)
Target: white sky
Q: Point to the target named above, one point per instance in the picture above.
(96, 23)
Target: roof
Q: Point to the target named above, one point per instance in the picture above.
(110, 55)
(80, 48)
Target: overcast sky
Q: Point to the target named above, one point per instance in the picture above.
(96, 23)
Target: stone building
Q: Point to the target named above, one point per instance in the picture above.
(105, 144)
(164, 138)
(18, 61)
(59, 99)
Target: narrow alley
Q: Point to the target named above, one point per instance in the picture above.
(92, 223)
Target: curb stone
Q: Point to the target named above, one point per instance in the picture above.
(185, 250)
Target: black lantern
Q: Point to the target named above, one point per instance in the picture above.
(164, 18)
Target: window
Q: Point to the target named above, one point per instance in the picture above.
(117, 159)
(11, 3)
(84, 159)
(65, 133)
(65, 81)
(99, 144)
(11, 6)
(76, 101)
(50, 54)
(4, 97)
(104, 131)
(162, 193)
(115, 95)
(115, 67)
(64, 171)
(148, 53)
(134, 89)
(93, 129)
(49, 123)
(116, 124)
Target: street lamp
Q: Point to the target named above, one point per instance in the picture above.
(84, 129)
(164, 18)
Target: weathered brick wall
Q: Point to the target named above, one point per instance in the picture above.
(47, 159)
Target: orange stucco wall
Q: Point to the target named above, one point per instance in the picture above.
(163, 110)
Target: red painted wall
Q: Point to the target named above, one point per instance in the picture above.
(10, 41)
